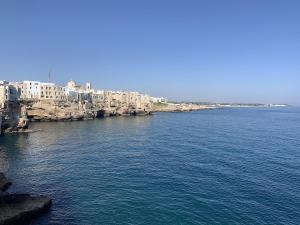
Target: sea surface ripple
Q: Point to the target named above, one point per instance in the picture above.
(229, 166)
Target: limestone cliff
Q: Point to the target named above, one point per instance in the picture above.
(69, 111)
(13, 118)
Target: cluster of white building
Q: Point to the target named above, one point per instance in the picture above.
(7, 93)
(73, 92)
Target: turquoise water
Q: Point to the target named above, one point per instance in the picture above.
(230, 166)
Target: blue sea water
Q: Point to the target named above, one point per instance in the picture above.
(229, 166)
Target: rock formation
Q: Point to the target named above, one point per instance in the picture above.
(13, 118)
(69, 111)
(16, 116)
(180, 107)
(20, 208)
(4, 182)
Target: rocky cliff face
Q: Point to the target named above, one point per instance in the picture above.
(17, 115)
(4, 182)
(13, 118)
(60, 111)
(68, 111)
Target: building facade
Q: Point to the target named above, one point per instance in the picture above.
(73, 92)
(52, 92)
(8, 93)
(39, 90)
(159, 100)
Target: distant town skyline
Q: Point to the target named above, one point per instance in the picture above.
(214, 51)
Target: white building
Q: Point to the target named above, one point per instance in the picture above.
(159, 100)
(52, 91)
(8, 93)
(33, 89)
(3, 95)
(73, 86)
(39, 90)
(21, 89)
(98, 96)
(88, 86)
(77, 92)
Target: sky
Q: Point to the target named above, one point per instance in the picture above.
(186, 50)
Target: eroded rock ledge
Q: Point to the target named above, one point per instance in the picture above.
(20, 208)
(4, 182)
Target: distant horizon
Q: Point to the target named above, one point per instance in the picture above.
(216, 51)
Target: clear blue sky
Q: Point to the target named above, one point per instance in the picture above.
(206, 50)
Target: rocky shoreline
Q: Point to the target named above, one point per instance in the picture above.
(182, 107)
(20, 208)
(17, 116)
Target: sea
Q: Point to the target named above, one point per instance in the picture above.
(224, 166)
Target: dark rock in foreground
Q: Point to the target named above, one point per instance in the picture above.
(4, 182)
(19, 208)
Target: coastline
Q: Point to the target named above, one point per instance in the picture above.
(19, 114)
(182, 107)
